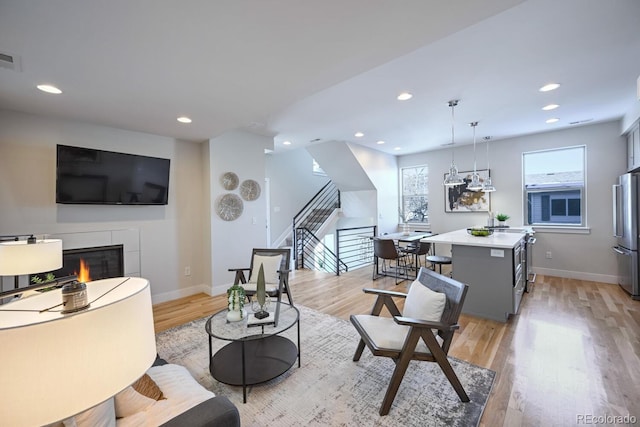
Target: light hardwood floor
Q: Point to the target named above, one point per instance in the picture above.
(572, 351)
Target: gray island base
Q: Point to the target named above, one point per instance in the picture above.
(492, 266)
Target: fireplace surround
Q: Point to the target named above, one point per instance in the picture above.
(92, 263)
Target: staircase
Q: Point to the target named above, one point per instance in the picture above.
(309, 251)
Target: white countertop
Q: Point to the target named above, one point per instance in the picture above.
(499, 239)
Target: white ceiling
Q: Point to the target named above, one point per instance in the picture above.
(303, 70)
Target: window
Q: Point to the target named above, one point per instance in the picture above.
(414, 193)
(317, 170)
(554, 186)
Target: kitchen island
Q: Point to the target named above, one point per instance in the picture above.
(492, 266)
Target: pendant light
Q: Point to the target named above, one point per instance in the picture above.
(487, 186)
(475, 184)
(453, 178)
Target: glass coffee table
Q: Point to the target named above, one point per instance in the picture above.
(256, 353)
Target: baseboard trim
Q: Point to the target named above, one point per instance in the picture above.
(579, 275)
(191, 290)
(180, 293)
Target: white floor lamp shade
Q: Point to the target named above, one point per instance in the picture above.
(54, 365)
(20, 257)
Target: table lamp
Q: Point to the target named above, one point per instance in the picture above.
(54, 365)
(18, 257)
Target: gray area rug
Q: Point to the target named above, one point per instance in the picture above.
(332, 390)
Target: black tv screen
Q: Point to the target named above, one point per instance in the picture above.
(89, 176)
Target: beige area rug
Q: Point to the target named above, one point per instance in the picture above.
(332, 390)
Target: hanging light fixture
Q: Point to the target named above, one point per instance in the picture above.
(487, 186)
(453, 178)
(475, 184)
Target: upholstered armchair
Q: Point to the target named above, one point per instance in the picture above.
(423, 331)
(275, 263)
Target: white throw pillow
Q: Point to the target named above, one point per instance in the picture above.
(129, 402)
(271, 265)
(423, 303)
(102, 415)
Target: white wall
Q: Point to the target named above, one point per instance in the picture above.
(293, 184)
(170, 236)
(382, 170)
(583, 256)
(231, 241)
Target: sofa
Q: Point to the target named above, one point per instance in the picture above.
(166, 396)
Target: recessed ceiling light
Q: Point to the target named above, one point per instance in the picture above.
(184, 119)
(397, 148)
(552, 120)
(548, 87)
(49, 89)
(404, 96)
(286, 143)
(550, 107)
(358, 134)
(380, 142)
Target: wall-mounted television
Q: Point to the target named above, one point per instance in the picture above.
(89, 176)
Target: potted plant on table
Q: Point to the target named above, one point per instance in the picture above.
(502, 218)
(236, 297)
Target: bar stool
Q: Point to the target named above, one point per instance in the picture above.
(439, 260)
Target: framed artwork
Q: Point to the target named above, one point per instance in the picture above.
(459, 199)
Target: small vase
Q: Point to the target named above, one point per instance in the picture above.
(501, 224)
(405, 229)
(235, 297)
(236, 315)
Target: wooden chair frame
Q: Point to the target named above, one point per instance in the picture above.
(418, 329)
(283, 272)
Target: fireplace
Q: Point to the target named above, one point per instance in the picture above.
(88, 264)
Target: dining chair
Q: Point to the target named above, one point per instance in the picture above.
(394, 262)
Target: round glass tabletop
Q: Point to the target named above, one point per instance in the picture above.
(217, 325)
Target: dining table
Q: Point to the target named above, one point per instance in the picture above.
(412, 238)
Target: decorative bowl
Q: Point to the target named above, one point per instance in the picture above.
(480, 232)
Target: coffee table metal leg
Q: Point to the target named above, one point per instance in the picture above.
(244, 380)
(298, 343)
(210, 353)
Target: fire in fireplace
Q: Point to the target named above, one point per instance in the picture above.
(88, 264)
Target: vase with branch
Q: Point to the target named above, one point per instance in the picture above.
(403, 221)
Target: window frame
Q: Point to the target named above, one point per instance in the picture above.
(401, 202)
(557, 188)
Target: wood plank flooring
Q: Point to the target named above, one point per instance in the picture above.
(573, 350)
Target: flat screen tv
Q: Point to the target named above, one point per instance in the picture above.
(89, 176)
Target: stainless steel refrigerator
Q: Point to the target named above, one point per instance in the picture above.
(626, 202)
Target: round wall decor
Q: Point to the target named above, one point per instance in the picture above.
(229, 181)
(229, 207)
(249, 190)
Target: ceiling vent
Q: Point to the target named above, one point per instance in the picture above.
(9, 61)
(579, 122)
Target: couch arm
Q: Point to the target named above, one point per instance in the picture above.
(217, 411)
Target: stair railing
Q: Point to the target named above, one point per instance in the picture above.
(313, 215)
(315, 255)
(354, 246)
